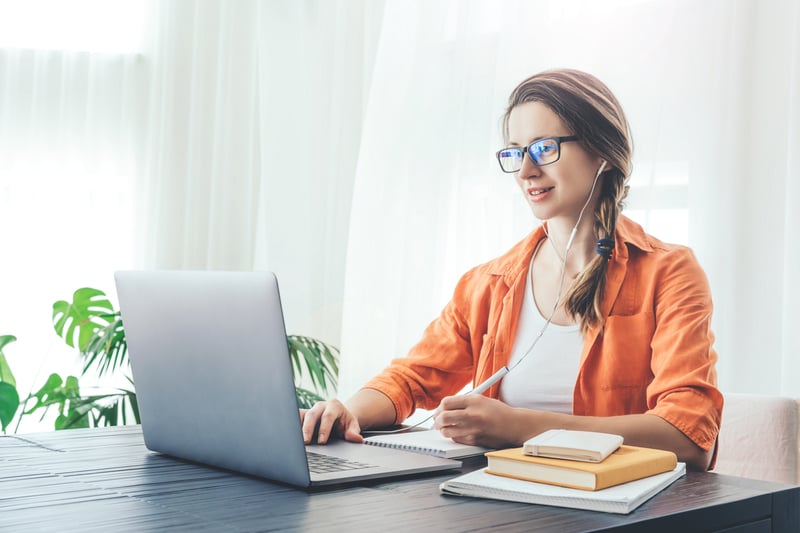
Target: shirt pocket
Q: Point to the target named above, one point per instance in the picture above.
(627, 351)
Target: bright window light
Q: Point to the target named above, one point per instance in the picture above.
(105, 26)
(668, 225)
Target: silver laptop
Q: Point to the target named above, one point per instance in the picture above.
(213, 378)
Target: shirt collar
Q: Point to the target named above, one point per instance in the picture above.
(512, 263)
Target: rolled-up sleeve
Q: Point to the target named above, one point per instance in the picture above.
(444, 359)
(684, 387)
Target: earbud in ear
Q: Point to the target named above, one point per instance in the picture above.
(602, 166)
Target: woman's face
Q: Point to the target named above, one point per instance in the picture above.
(558, 189)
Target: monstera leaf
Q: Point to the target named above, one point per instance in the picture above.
(61, 394)
(90, 324)
(78, 321)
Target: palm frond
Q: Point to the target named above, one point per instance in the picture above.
(318, 359)
(305, 398)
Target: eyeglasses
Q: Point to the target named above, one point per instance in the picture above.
(542, 152)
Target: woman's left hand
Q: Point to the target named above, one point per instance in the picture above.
(478, 420)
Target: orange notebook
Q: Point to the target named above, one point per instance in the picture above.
(626, 464)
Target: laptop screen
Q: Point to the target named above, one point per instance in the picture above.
(212, 370)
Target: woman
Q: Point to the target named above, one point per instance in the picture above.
(604, 327)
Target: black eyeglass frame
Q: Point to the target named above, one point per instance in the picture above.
(526, 150)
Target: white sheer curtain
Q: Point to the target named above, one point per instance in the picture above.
(743, 89)
(70, 138)
(255, 120)
(197, 208)
(348, 146)
(315, 70)
(710, 89)
(225, 138)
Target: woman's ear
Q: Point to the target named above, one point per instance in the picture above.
(605, 167)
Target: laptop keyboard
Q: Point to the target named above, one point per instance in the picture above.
(323, 464)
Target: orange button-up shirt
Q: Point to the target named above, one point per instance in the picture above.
(653, 354)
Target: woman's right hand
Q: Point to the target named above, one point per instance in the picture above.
(328, 418)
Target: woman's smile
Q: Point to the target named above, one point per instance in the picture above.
(537, 194)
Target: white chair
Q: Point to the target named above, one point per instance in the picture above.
(759, 438)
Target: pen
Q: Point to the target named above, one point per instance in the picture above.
(494, 378)
(483, 387)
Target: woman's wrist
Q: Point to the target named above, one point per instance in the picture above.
(371, 408)
(530, 422)
(525, 425)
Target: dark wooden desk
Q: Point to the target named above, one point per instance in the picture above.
(105, 480)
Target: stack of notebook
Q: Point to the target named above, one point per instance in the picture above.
(586, 470)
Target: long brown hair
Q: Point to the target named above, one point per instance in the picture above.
(591, 112)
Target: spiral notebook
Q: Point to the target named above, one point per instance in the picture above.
(429, 442)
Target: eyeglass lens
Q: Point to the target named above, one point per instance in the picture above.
(541, 153)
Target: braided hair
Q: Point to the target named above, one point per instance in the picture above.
(591, 112)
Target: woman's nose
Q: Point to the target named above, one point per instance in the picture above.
(528, 169)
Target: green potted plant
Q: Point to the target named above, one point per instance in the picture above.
(63, 395)
(91, 325)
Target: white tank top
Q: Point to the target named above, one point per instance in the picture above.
(545, 379)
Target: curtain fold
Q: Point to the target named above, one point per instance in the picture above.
(790, 341)
(742, 187)
(254, 125)
(197, 207)
(315, 68)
